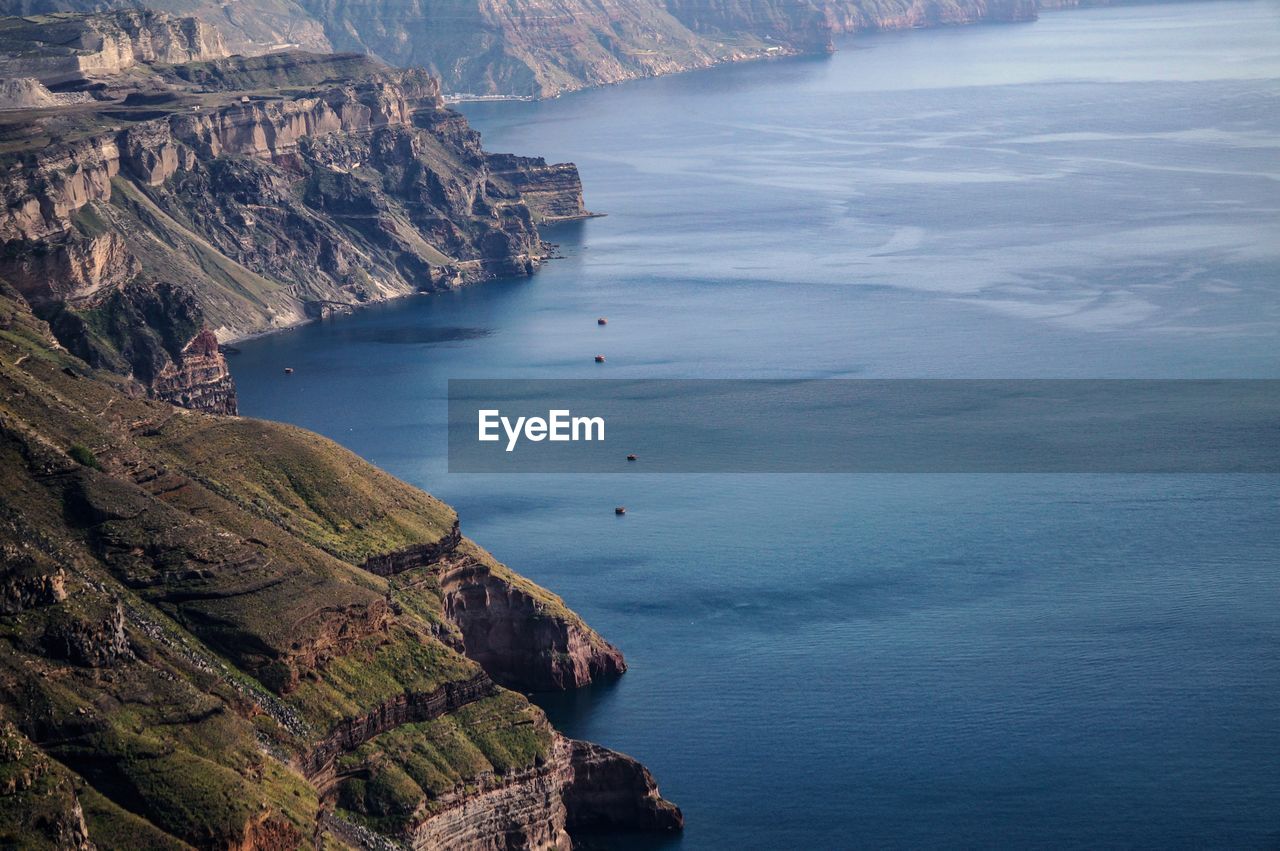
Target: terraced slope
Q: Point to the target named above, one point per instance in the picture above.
(227, 633)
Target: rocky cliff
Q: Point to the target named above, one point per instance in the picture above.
(847, 16)
(533, 48)
(523, 640)
(336, 182)
(529, 48)
(56, 48)
(803, 24)
(194, 651)
(247, 27)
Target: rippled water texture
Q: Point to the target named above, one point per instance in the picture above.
(841, 661)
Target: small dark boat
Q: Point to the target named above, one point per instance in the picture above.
(599, 358)
(631, 457)
(620, 510)
(288, 370)
(602, 321)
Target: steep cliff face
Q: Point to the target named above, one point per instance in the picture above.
(529, 48)
(611, 791)
(580, 788)
(247, 27)
(846, 17)
(522, 639)
(192, 656)
(807, 23)
(198, 378)
(553, 192)
(351, 184)
(55, 48)
(533, 48)
(803, 26)
(274, 210)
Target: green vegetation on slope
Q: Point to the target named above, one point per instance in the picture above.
(181, 624)
(404, 774)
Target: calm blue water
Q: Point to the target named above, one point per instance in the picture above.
(839, 661)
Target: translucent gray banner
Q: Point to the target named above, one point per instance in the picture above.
(864, 426)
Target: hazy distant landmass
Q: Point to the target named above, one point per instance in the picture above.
(533, 48)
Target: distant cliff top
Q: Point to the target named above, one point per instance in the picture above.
(533, 48)
(53, 48)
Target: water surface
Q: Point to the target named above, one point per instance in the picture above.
(852, 661)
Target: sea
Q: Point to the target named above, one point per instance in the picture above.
(827, 661)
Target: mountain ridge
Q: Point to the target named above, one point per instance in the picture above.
(532, 48)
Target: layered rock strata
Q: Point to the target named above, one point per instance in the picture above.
(57, 48)
(530, 48)
(192, 656)
(270, 210)
(512, 632)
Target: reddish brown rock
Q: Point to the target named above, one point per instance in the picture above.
(522, 640)
(404, 709)
(582, 788)
(199, 378)
(612, 791)
(418, 555)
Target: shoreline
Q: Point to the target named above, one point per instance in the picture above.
(228, 346)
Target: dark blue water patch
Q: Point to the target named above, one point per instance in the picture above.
(413, 335)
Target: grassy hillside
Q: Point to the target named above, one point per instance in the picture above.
(190, 654)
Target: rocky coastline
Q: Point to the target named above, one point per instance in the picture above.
(243, 195)
(531, 49)
(224, 633)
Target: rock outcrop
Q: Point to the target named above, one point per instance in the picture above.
(275, 210)
(198, 378)
(30, 93)
(90, 643)
(580, 789)
(415, 555)
(532, 48)
(553, 192)
(611, 791)
(145, 241)
(530, 806)
(49, 272)
(524, 639)
(151, 333)
(191, 655)
(56, 48)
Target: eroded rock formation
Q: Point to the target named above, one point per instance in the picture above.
(193, 657)
(533, 48)
(522, 639)
(611, 791)
(198, 378)
(243, 213)
(57, 48)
